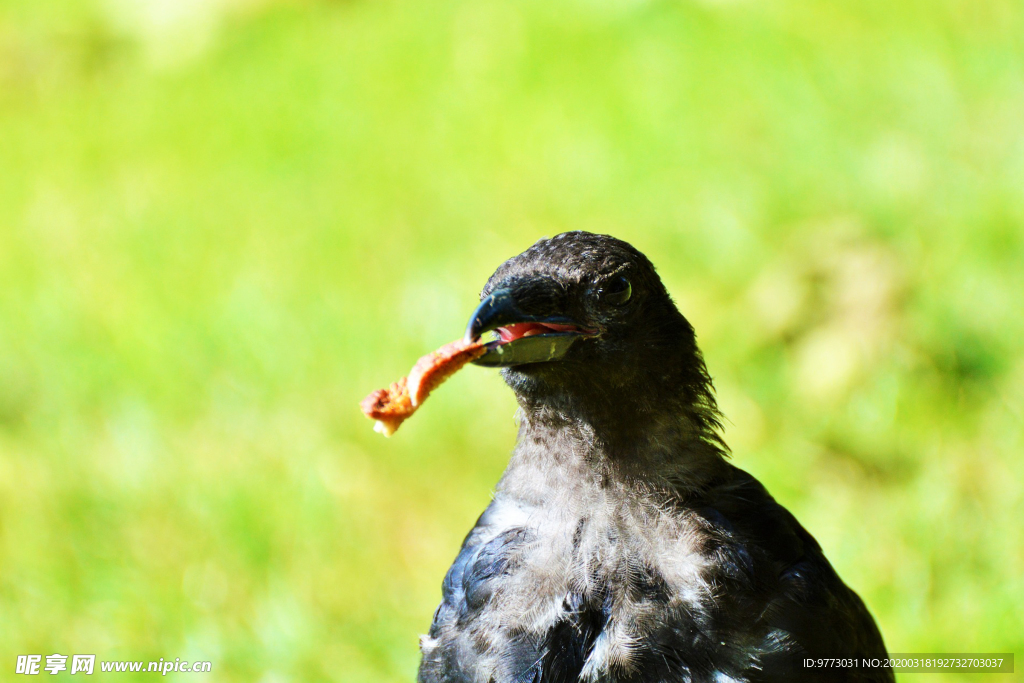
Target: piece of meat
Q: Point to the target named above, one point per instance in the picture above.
(390, 407)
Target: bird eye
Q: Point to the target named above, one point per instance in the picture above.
(617, 292)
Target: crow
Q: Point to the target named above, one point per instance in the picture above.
(621, 545)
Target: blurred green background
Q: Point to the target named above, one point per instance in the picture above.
(223, 222)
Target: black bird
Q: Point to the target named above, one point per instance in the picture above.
(621, 545)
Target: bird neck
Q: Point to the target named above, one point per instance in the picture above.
(665, 451)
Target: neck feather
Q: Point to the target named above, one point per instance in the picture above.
(672, 452)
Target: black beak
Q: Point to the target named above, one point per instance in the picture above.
(499, 309)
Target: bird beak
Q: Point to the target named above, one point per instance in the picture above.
(522, 338)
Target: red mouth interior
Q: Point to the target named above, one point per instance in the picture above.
(519, 330)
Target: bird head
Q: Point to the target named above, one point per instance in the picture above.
(585, 326)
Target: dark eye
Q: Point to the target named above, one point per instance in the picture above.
(617, 292)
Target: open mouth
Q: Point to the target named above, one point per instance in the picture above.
(510, 333)
(521, 337)
(531, 342)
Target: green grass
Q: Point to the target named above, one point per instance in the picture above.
(223, 223)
